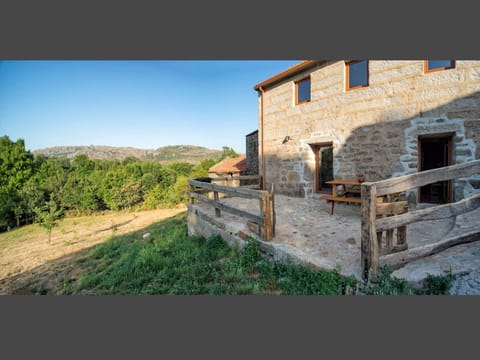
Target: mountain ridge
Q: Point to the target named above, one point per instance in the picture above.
(164, 155)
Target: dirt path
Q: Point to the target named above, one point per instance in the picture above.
(26, 249)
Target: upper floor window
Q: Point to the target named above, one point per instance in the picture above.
(356, 74)
(302, 91)
(438, 65)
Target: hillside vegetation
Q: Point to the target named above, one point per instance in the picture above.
(163, 155)
(39, 189)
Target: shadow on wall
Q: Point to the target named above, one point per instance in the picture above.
(389, 147)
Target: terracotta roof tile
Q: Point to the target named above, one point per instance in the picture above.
(228, 164)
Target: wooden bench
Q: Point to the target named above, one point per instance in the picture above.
(332, 199)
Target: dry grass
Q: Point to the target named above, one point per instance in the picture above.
(26, 249)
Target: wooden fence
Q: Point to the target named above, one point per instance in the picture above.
(265, 221)
(245, 181)
(384, 209)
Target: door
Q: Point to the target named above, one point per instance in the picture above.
(323, 167)
(435, 152)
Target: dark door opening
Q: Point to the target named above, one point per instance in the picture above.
(435, 152)
(323, 167)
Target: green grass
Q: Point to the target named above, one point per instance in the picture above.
(171, 262)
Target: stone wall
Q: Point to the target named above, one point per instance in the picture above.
(374, 130)
(252, 153)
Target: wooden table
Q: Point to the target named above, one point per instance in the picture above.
(348, 187)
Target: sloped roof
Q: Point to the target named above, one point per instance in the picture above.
(229, 164)
(292, 70)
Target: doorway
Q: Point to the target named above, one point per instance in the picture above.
(434, 152)
(323, 167)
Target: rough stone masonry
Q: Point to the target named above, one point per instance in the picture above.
(374, 130)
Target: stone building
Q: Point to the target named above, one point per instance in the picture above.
(321, 119)
(252, 152)
(229, 167)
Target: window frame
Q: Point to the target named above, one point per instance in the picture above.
(296, 90)
(427, 71)
(347, 75)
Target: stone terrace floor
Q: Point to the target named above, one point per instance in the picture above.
(333, 241)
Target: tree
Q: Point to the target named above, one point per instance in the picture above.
(16, 167)
(228, 152)
(48, 216)
(31, 198)
(181, 168)
(16, 164)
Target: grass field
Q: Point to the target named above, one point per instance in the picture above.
(151, 253)
(28, 261)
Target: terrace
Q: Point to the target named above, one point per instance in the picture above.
(303, 230)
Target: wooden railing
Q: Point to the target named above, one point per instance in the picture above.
(384, 208)
(245, 181)
(264, 223)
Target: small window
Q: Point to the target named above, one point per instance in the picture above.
(438, 65)
(356, 74)
(302, 91)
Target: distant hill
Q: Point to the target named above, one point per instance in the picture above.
(164, 155)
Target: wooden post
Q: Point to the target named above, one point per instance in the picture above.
(217, 209)
(262, 215)
(402, 230)
(190, 190)
(274, 216)
(389, 232)
(379, 200)
(369, 244)
(268, 217)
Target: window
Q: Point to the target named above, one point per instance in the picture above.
(302, 91)
(356, 74)
(438, 65)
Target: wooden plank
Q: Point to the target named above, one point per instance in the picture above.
(380, 200)
(255, 186)
(344, 182)
(236, 191)
(397, 207)
(242, 177)
(411, 181)
(369, 244)
(353, 191)
(274, 215)
(261, 205)
(217, 201)
(389, 240)
(190, 190)
(433, 213)
(402, 236)
(229, 209)
(268, 218)
(342, 199)
(399, 259)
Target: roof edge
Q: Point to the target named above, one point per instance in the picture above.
(292, 70)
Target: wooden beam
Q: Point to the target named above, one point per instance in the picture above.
(236, 191)
(255, 186)
(229, 209)
(433, 213)
(190, 190)
(274, 216)
(217, 201)
(392, 208)
(397, 260)
(411, 181)
(268, 217)
(242, 177)
(369, 244)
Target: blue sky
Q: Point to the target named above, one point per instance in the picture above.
(144, 104)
